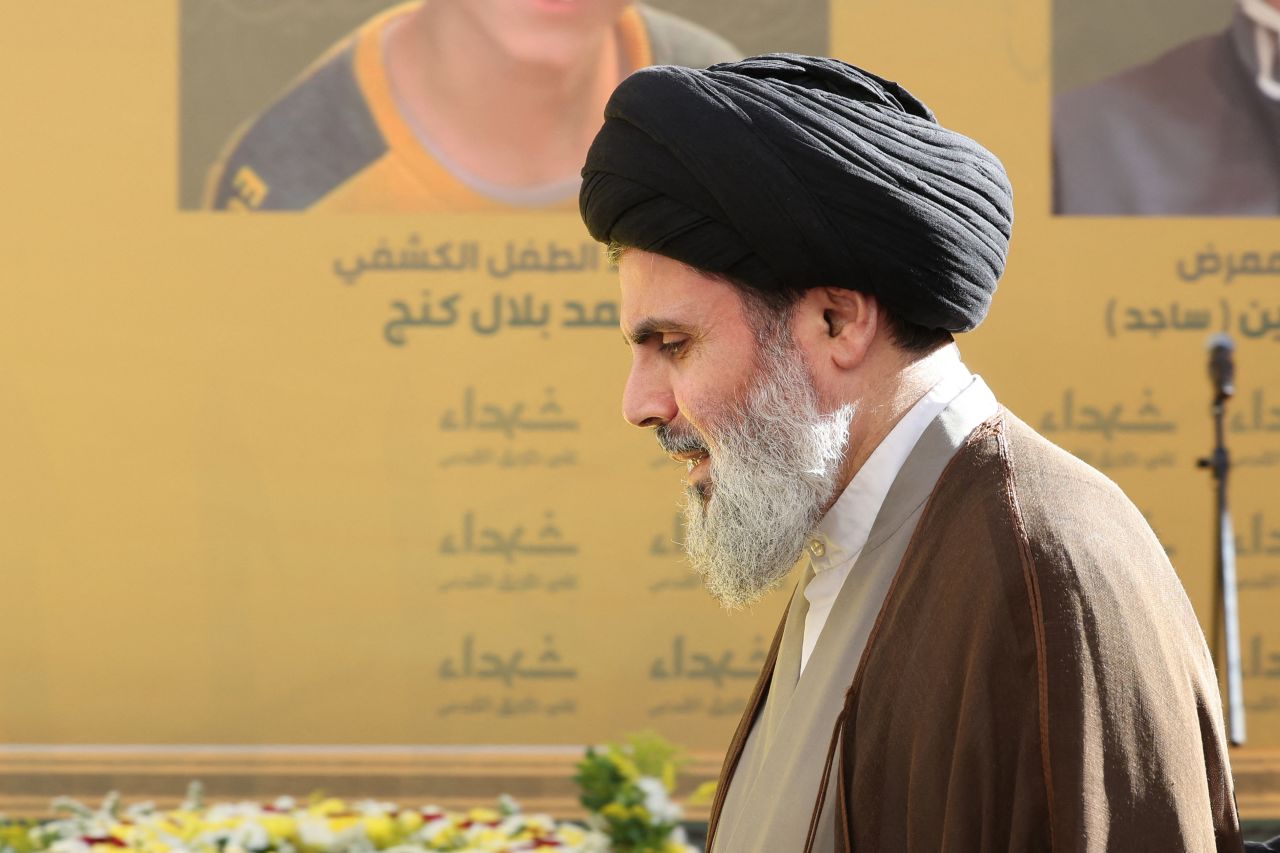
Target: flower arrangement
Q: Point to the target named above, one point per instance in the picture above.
(284, 826)
(626, 789)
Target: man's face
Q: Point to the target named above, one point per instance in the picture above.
(738, 406)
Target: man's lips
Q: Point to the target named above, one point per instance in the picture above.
(690, 458)
(694, 461)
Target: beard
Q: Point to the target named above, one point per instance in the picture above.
(774, 470)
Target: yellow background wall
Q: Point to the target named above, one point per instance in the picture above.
(228, 499)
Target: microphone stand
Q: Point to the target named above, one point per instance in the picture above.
(1226, 609)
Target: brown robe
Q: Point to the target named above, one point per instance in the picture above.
(1035, 680)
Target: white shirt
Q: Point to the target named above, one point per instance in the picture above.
(843, 531)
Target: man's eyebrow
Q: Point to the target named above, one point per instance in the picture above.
(649, 326)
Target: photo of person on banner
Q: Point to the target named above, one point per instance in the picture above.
(1194, 132)
(451, 106)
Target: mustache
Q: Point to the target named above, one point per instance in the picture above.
(674, 441)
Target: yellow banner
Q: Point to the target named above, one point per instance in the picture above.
(361, 478)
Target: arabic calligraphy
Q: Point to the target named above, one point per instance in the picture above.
(1155, 320)
(503, 311)
(1111, 460)
(461, 256)
(1263, 705)
(718, 707)
(684, 582)
(508, 706)
(552, 259)
(1260, 661)
(1256, 321)
(471, 664)
(695, 666)
(493, 541)
(1266, 459)
(1104, 420)
(1257, 540)
(1270, 580)
(1210, 264)
(1255, 415)
(508, 420)
(509, 582)
(448, 256)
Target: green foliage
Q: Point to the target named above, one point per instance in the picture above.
(599, 780)
(626, 789)
(654, 755)
(15, 835)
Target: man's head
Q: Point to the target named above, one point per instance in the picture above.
(799, 234)
(758, 397)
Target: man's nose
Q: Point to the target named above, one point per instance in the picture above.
(647, 401)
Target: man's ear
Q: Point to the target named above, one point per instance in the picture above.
(850, 320)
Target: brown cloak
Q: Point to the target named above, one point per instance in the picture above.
(1035, 680)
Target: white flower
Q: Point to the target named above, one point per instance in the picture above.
(657, 802)
(507, 805)
(678, 836)
(314, 831)
(249, 835)
(69, 845)
(372, 808)
(595, 842)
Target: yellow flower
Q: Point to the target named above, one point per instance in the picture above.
(487, 837)
(381, 830)
(617, 811)
(338, 824)
(447, 837)
(279, 827)
(410, 821)
(328, 807)
(572, 835)
(181, 824)
(625, 765)
(705, 793)
(669, 776)
(484, 815)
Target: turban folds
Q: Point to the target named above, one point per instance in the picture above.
(787, 172)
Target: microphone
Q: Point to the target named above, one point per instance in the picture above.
(1222, 366)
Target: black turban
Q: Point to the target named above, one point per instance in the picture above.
(787, 172)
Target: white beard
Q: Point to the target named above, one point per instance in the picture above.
(773, 471)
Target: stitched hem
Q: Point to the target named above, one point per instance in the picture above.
(1037, 615)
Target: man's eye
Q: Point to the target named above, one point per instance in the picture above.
(673, 346)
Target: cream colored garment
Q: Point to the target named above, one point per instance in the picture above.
(773, 790)
(843, 531)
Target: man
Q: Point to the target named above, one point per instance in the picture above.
(988, 649)
(451, 105)
(1195, 132)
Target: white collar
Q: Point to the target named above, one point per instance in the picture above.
(843, 531)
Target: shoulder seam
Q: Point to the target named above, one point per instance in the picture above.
(1036, 605)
